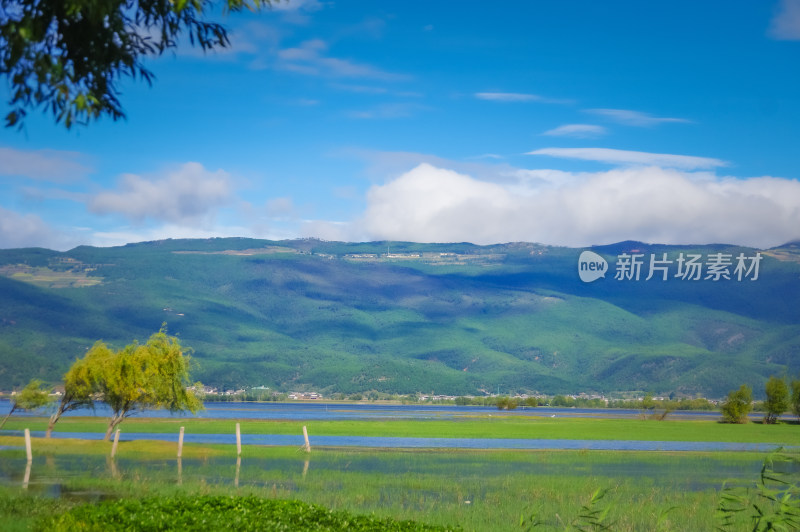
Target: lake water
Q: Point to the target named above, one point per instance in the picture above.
(341, 411)
(395, 442)
(338, 411)
(51, 475)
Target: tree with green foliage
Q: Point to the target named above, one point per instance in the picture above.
(648, 405)
(738, 405)
(506, 403)
(34, 396)
(795, 400)
(69, 56)
(563, 400)
(777, 401)
(80, 383)
(137, 377)
(154, 375)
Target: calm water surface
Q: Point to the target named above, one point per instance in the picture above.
(49, 474)
(339, 411)
(395, 442)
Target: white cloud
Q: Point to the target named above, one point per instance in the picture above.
(626, 157)
(390, 164)
(29, 230)
(786, 23)
(294, 5)
(296, 11)
(330, 230)
(635, 118)
(508, 97)
(579, 131)
(360, 89)
(255, 42)
(280, 207)
(310, 58)
(125, 235)
(488, 156)
(43, 165)
(189, 195)
(430, 204)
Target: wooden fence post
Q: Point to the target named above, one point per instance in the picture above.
(238, 467)
(28, 445)
(305, 436)
(27, 475)
(180, 443)
(238, 441)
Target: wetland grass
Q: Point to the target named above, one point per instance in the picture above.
(475, 490)
(782, 434)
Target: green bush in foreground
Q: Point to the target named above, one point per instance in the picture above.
(220, 513)
(772, 505)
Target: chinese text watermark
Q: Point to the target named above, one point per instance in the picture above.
(685, 267)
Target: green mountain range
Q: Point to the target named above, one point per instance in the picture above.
(404, 317)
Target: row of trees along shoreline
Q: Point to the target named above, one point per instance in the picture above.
(779, 399)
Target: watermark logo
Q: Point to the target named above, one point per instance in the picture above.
(635, 266)
(591, 266)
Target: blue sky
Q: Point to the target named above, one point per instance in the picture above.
(562, 122)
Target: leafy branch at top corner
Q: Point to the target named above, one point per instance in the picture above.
(68, 56)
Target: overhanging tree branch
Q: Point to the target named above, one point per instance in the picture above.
(68, 56)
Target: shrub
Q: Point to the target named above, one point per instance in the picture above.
(738, 405)
(219, 513)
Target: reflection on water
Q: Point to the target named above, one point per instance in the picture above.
(339, 411)
(53, 475)
(397, 442)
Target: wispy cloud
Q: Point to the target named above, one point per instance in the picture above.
(626, 157)
(189, 195)
(311, 58)
(375, 90)
(359, 89)
(124, 235)
(635, 118)
(296, 12)
(26, 230)
(280, 207)
(294, 5)
(785, 25)
(43, 165)
(487, 156)
(578, 131)
(509, 97)
(388, 110)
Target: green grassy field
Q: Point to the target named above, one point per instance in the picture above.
(495, 426)
(475, 490)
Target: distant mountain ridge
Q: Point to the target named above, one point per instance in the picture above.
(405, 317)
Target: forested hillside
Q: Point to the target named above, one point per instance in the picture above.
(405, 317)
